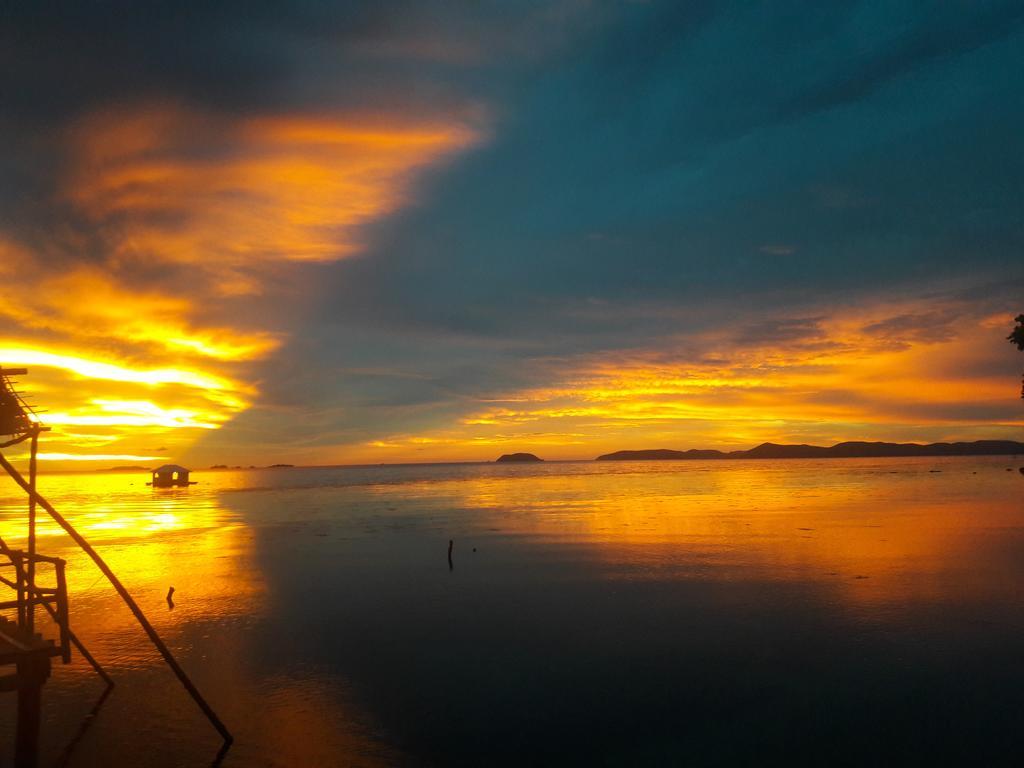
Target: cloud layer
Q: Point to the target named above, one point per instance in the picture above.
(425, 231)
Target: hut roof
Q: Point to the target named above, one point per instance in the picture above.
(170, 468)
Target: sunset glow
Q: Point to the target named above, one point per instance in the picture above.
(416, 270)
(559, 383)
(840, 382)
(158, 343)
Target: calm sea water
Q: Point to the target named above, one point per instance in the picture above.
(835, 612)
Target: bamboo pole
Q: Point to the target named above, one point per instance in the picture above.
(128, 599)
(32, 525)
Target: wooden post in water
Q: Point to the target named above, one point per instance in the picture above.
(19, 587)
(32, 673)
(31, 618)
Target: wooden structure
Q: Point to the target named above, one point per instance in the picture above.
(26, 650)
(20, 645)
(170, 476)
(14, 413)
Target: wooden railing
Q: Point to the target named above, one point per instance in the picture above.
(29, 595)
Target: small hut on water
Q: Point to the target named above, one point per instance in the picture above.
(169, 476)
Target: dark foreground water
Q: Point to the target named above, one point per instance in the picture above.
(835, 612)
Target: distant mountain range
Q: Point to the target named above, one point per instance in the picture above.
(850, 450)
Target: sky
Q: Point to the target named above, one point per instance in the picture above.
(242, 233)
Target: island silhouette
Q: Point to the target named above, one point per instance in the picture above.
(848, 450)
(517, 457)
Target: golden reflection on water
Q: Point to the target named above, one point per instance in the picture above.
(874, 537)
(152, 540)
(874, 532)
(185, 538)
(878, 536)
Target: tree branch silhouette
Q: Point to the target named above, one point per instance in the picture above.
(1017, 337)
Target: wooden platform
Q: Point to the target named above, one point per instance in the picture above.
(30, 654)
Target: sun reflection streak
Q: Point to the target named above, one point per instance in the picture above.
(137, 413)
(57, 456)
(94, 369)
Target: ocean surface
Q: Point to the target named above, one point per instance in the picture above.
(830, 612)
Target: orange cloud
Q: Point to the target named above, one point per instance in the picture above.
(851, 376)
(87, 303)
(134, 335)
(265, 189)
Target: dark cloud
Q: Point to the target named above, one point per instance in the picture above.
(507, 239)
(782, 331)
(924, 328)
(62, 57)
(952, 29)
